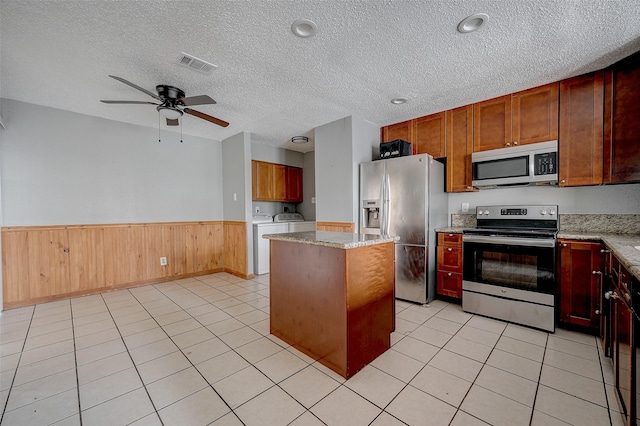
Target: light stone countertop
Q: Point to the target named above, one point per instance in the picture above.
(451, 230)
(340, 240)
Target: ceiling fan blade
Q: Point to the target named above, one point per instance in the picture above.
(128, 102)
(206, 117)
(197, 100)
(135, 86)
(172, 122)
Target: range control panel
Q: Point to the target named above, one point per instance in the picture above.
(534, 212)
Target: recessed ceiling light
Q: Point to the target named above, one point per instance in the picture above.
(399, 101)
(473, 22)
(299, 139)
(304, 28)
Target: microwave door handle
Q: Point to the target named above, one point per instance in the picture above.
(514, 241)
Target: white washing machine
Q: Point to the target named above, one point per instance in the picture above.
(296, 222)
(262, 225)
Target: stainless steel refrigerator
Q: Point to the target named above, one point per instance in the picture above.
(405, 197)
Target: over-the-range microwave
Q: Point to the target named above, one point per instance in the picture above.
(532, 164)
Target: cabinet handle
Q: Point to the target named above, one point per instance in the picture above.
(604, 251)
(563, 181)
(449, 249)
(451, 235)
(507, 144)
(596, 272)
(448, 274)
(611, 295)
(564, 244)
(597, 311)
(515, 142)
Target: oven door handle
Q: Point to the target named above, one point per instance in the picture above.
(529, 242)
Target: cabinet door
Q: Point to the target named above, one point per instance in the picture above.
(262, 181)
(429, 134)
(294, 184)
(279, 182)
(396, 131)
(580, 272)
(581, 132)
(450, 258)
(492, 124)
(535, 115)
(622, 122)
(459, 148)
(450, 284)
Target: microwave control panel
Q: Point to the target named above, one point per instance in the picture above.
(545, 164)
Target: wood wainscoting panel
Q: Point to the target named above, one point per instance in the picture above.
(235, 248)
(86, 259)
(43, 263)
(15, 267)
(336, 226)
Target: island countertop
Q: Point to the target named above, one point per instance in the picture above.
(341, 240)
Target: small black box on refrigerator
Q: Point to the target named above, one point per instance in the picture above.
(396, 148)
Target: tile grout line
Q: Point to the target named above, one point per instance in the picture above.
(535, 397)
(13, 379)
(75, 360)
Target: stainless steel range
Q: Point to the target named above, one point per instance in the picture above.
(509, 266)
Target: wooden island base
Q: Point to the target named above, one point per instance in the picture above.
(335, 305)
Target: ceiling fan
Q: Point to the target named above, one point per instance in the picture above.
(172, 103)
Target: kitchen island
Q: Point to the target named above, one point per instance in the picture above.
(332, 296)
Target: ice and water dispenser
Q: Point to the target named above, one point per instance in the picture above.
(371, 216)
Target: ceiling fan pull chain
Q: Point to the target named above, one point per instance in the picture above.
(159, 128)
(180, 131)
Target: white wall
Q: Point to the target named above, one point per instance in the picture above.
(340, 148)
(271, 154)
(612, 199)
(61, 168)
(236, 175)
(307, 208)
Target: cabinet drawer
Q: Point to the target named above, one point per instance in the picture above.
(450, 258)
(445, 239)
(450, 284)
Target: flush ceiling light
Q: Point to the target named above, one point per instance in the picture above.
(299, 139)
(304, 28)
(399, 101)
(473, 22)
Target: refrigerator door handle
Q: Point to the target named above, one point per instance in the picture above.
(385, 203)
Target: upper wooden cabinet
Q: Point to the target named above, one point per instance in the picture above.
(429, 135)
(275, 182)
(492, 124)
(294, 184)
(262, 187)
(622, 121)
(581, 130)
(521, 118)
(396, 131)
(459, 148)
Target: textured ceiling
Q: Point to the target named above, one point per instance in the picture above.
(275, 85)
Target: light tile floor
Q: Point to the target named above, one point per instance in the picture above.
(198, 351)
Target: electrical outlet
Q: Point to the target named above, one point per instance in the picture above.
(163, 261)
(465, 207)
(257, 209)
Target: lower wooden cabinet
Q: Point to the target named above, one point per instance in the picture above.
(449, 268)
(581, 264)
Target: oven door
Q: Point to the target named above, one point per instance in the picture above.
(527, 264)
